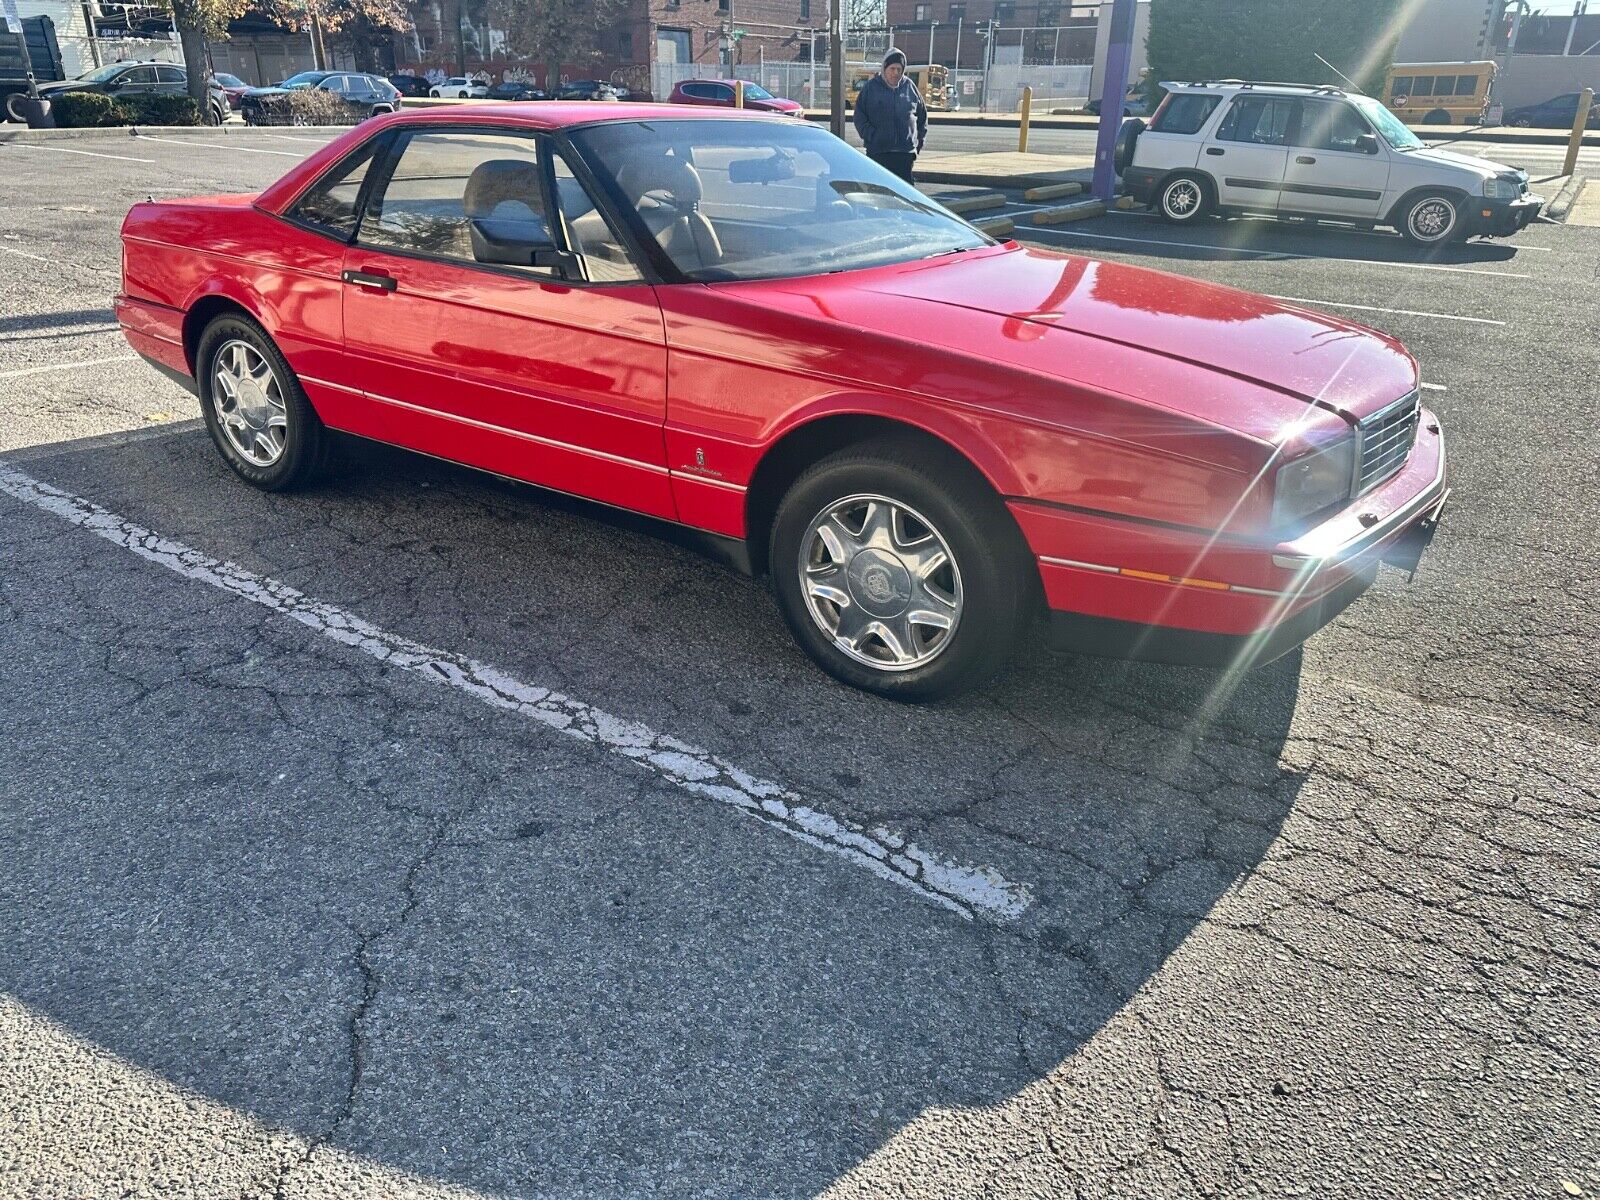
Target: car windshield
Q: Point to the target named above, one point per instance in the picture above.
(304, 79)
(1387, 124)
(227, 80)
(739, 199)
(102, 74)
(754, 91)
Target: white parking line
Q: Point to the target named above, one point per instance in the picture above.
(283, 137)
(145, 137)
(89, 153)
(1433, 387)
(1404, 312)
(24, 254)
(1112, 237)
(967, 890)
(1341, 230)
(71, 366)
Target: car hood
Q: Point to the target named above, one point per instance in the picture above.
(1449, 158)
(1302, 355)
(65, 85)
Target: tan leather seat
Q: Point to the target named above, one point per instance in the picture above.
(504, 194)
(667, 192)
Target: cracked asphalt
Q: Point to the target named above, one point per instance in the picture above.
(281, 916)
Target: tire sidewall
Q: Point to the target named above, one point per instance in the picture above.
(1194, 214)
(303, 439)
(991, 590)
(1442, 239)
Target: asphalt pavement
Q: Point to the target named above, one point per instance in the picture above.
(426, 835)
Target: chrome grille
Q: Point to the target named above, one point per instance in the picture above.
(1385, 442)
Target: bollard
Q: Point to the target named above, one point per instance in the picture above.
(1585, 100)
(1027, 111)
(738, 93)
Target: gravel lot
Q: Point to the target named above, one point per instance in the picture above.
(283, 913)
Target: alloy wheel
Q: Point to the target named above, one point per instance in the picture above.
(881, 582)
(247, 397)
(1181, 198)
(1432, 219)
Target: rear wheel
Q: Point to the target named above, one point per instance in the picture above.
(1183, 200)
(900, 572)
(255, 409)
(1430, 220)
(1437, 117)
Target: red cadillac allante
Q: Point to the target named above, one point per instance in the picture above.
(928, 440)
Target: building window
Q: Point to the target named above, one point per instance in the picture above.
(1049, 14)
(722, 6)
(921, 12)
(805, 10)
(1004, 12)
(625, 43)
(958, 12)
(673, 46)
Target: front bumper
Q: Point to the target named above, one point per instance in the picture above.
(1501, 218)
(1142, 590)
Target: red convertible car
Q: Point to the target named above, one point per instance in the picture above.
(940, 448)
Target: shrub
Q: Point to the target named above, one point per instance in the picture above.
(159, 109)
(307, 106)
(82, 110)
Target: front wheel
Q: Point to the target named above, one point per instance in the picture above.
(900, 572)
(255, 409)
(1430, 220)
(1183, 200)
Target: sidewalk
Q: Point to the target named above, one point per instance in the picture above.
(1003, 169)
(1585, 209)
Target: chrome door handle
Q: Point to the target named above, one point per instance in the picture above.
(369, 279)
(1304, 158)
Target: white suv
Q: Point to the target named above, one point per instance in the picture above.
(1299, 151)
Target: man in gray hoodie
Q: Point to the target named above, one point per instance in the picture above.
(891, 118)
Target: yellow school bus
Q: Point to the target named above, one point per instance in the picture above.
(1439, 93)
(932, 80)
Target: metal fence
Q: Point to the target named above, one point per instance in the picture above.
(79, 53)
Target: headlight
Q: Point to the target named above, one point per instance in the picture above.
(1313, 482)
(1501, 189)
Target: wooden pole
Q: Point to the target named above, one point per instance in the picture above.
(1027, 113)
(1585, 100)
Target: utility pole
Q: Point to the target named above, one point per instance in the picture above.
(932, 26)
(1119, 51)
(836, 66)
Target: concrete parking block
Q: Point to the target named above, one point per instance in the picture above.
(997, 227)
(1054, 191)
(961, 204)
(1069, 212)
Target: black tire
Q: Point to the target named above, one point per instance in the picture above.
(1437, 117)
(1127, 141)
(12, 113)
(1182, 199)
(306, 443)
(990, 574)
(1521, 123)
(1423, 221)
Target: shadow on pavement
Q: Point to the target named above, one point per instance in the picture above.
(376, 913)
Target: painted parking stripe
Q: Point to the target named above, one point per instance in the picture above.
(1433, 387)
(1334, 227)
(1404, 312)
(25, 254)
(89, 153)
(967, 890)
(1368, 262)
(145, 137)
(71, 366)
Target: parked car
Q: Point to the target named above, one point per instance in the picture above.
(459, 87)
(587, 89)
(125, 80)
(410, 85)
(926, 438)
(365, 95)
(232, 87)
(1558, 112)
(512, 89)
(1294, 151)
(719, 92)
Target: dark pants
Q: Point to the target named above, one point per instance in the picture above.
(899, 162)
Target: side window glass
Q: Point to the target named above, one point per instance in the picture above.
(139, 75)
(171, 75)
(476, 197)
(334, 83)
(1466, 85)
(1423, 86)
(1184, 112)
(1326, 126)
(330, 204)
(591, 236)
(1401, 86)
(1261, 119)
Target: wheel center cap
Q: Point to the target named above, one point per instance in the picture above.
(252, 402)
(879, 583)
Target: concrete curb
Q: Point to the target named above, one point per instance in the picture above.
(1561, 205)
(128, 132)
(1070, 212)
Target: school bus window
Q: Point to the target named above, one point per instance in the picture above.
(1401, 86)
(1467, 85)
(1423, 86)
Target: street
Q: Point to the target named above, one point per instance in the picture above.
(430, 835)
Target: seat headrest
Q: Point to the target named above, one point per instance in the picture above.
(662, 173)
(499, 180)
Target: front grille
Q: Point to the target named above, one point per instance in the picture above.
(1385, 442)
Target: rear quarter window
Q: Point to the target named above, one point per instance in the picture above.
(1184, 112)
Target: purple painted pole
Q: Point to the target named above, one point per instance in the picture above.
(1113, 86)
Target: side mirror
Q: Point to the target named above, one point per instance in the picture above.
(1368, 143)
(518, 243)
